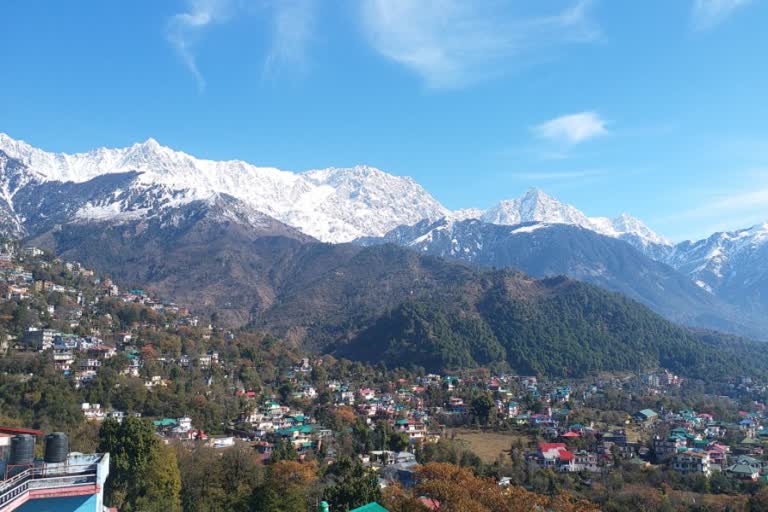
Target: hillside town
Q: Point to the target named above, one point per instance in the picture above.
(125, 353)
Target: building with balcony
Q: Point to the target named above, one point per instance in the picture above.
(75, 485)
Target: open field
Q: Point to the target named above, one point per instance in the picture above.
(487, 445)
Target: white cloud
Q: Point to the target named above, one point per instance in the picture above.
(452, 43)
(708, 13)
(573, 128)
(291, 22)
(184, 30)
(558, 176)
(735, 203)
(723, 210)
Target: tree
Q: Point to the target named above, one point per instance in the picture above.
(162, 485)
(285, 488)
(354, 486)
(482, 405)
(460, 490)
(142, 473)
(399, 441)
(283, 450)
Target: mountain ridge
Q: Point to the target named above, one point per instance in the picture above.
(333, 204)
(40, 191)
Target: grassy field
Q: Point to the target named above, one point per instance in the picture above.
(488, 445)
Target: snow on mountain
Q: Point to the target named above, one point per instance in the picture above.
(536, 206)
(466, 214)
(333, 205)
(735, 259)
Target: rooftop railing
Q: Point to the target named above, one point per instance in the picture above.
(47, 477)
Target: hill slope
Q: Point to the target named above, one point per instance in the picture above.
(542, 250)
(389, 304)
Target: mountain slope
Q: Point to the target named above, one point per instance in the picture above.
(550, 327)
(387, 303)
(542, 250)
(214, 255)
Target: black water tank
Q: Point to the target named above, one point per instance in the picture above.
(22, 450)
(56, 447)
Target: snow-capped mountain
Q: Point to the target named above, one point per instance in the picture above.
(536, 206)
(333, 205)
(732, 265)
(147, 184)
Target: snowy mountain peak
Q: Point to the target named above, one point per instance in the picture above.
(333, 205)
(534, 206)
(537, 206)
(625, 226)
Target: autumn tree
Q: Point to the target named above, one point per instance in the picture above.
(448, 485)
(285, 488)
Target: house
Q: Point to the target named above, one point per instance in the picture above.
(39, 339)
(415, 430)
(93, 412)
(668, 446)
(743, 472)
(367, 394)
(586, 461)
(718, 453)
(555, 456)
(221, 442)
(692, 461)
(646, 416)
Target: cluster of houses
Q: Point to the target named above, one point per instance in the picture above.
(693, 443)
(684, 441)
(269, 422)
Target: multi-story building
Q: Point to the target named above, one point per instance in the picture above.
(668, 446)
(692, 462)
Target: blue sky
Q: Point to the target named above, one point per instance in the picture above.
(657, 108)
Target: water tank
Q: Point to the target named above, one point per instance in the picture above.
(56, 447)
(22, 450)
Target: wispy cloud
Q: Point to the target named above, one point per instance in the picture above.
(558, 176)
(452, 43)
(292, 32)
(184, 30)
(573, 128)
(723, 210)
(708, 13)
(290, 20)
(735, 204)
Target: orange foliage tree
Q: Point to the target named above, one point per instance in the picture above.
(455, 489)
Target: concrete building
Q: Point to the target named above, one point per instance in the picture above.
(692, 462)
(75, 485)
